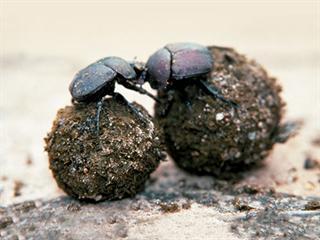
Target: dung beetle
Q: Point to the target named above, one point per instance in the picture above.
(98, 79)
(95, 81)
(178, 64)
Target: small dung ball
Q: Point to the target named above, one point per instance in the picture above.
(110, 165)
(207, 136)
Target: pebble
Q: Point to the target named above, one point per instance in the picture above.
(219, 116)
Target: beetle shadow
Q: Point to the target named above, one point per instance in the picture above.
(169, 183)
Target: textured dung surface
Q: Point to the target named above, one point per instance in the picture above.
(112, 165)
(175, 205)
(213, 137)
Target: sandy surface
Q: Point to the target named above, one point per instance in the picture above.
(44, 43)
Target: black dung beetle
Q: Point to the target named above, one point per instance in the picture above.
(95, 81)
(98, 79)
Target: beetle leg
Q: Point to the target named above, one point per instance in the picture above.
(99, 107)
(141, 90)
(185, 99)
(166, 105)
(182, 93)
(213, 91)
(169, 95)
(120, 98)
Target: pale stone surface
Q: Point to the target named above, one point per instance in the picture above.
(174, 205)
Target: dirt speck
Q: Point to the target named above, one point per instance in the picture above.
(18, 185)
(24, 207)
(186, 205)
(74, 207)
(312, 205)
(311, 163)
(112, 219)
(316, 141)
(5, 221)
(241, 205)
(169, 207)
(4, 178)
(253, 189)
(135, 206)
(29, 160)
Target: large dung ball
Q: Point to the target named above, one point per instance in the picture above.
(206, 135)
(111, 164)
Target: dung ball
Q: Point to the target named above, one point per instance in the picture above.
(207, 136)
(111, 163)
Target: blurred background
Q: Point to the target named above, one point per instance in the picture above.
(44, 43)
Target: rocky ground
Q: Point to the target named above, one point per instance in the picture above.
(169, 204)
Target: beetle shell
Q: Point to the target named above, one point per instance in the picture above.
(178, 61)
(159, 68)
(176, 47)
(91, 82)
(120, 66)
(190, 63)
(97, 80)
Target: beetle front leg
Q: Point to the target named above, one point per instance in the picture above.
(99, 108)
(213, 91)
(121, 99)
(141, 90)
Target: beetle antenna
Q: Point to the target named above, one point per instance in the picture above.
(140, 69)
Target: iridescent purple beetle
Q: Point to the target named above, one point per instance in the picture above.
(176, 63)
(169, 66)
